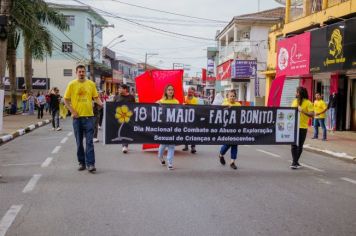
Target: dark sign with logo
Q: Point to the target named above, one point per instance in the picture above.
(243, 69)
(37, 83)
(211, 125)
(333, 47)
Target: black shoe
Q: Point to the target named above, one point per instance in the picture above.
(185, 149)
(81, 167)
(233, 166)
(91, 169)
(294, 167)
(193, 150)
(163, 162)
(222, 160)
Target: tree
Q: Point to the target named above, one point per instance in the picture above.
(5, 6)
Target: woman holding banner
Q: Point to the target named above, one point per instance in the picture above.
(230, 101)
(306, 110)
(168, 98)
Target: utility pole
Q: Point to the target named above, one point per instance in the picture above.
(146, 56)
(4, 15)
(92, 47)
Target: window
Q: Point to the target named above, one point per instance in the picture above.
(70, 20)
(67, 72)
(67, 47)
(89, 24)
(98, 32)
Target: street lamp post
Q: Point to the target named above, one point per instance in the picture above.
(146, 56)
(120, 36)
(93, 26)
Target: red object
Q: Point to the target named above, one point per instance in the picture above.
(334, 83)
(150, 88)
(211, 78)
(224, 71)
(275, 92)
(203, 73)
(307, 82)
(293, 55)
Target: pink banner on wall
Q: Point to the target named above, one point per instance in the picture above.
(275, 92)
(334, 83)
(293, 55)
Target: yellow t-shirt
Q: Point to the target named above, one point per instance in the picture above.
(168, 101)
(81, 95)
(192, 101)
(227, 103)
(24, 97)
(320, 106)
(307, 106)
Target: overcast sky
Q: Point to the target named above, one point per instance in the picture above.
(170, 48)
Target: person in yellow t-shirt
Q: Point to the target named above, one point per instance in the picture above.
(320, 108)
(24, 101)
(190, 99)
(306, 111)
(230, 102)
(168, 98)
(78, 99)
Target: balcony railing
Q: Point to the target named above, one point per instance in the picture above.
(237, 49)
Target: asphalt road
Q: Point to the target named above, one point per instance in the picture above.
(42, 193)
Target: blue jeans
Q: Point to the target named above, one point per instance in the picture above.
(317, 123)
(332, 115)
(234, 149)
(24, 103)
(170, 153)
(31, 108)
(84, 126)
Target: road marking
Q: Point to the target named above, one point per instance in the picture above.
(349, 180)
(23, 164)
(311, 167)
(69, 134)
(32, 183)
(268, 153)
(64, 140)
(47, 162)
(56, 149)
(9, 218)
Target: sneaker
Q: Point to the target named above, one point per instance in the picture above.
(91, 168)
(59, 128)
(193, 150)
(294, 167)
(170, 167)
(53, 129)
(81, 167)
(233, 166)
(124, 150)
(185, 149)
(95, 140)
(163, 162)
(222, 160)
(99, 127)
(298, 165)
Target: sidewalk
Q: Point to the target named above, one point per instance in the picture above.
(17, 125)
(341, 144)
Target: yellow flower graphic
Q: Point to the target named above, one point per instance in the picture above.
(123, 114)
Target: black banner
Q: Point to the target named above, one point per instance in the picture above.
(37, 83)
(333, 47)
(203, 124)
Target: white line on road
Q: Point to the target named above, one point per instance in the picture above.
(23, 164)
(268, 153)
(69, 134)
(311, 167)
(56, 149)
(9, 218)
(32, 183)
(47, 162)
(349, 180)
(64, 140)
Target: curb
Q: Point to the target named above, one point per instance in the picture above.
(20, 132)
(340, 155)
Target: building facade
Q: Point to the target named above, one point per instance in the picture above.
(316, 49)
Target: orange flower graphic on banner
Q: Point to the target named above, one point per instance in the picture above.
(123, 114)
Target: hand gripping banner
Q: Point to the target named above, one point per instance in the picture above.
(210, 125)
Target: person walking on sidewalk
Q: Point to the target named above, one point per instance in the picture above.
(306, 110)
(24, 101)
(190, 99)
(31, 103)
(332, 107)
(40, 101)
(230, 102)
(55, 99)
(124, 96)
(320, 108)
(168, 98)
(78, 98)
